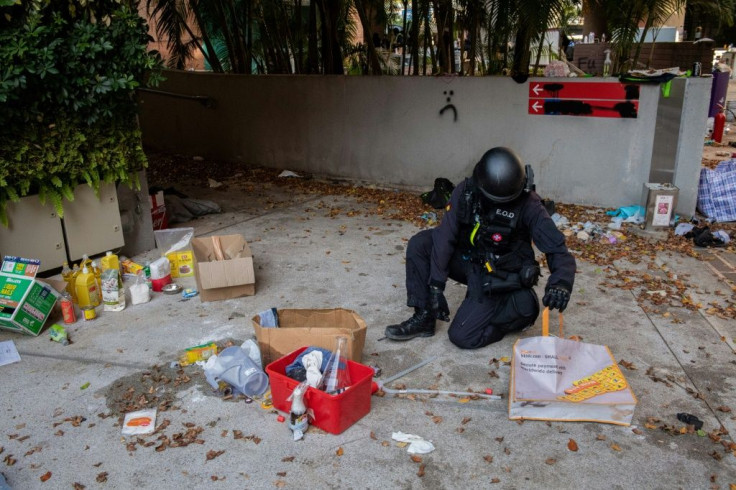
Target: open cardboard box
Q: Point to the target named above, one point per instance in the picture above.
(311, 328)
(224, 267)
(25, 302)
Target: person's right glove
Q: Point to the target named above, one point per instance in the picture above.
(438, 304)
(556, 297)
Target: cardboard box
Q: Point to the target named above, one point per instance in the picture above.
(223, 267)
(331, 413)
(25, 302)
(311, 328)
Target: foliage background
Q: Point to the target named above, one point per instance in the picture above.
(68, 71)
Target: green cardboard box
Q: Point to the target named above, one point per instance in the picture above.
(25, 302)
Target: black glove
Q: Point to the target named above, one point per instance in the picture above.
(556, 297)
(438, 304)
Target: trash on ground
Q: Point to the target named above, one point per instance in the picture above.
(214, 184)
(8, 353)
(289, 173)
(690, 419)
(21, 292)
(175, 245)
(234, 366)
(630, 214)
(269, 318)
(171, 288)
(417, 444)
(717, 192)
(307, 327)
(139, 292)
(197, 353)
(703, 237)
(189, 293)
(224, 267)
(57, 333)
(298, 417)
(139, 422)
(182, 209)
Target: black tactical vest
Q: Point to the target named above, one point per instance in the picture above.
(490, 229)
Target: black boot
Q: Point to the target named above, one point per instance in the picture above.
(419, 325)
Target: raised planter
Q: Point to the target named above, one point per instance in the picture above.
(90, 226)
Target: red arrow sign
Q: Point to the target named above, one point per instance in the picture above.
(583, 90)
(584, 107)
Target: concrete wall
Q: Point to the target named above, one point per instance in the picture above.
(389, 130)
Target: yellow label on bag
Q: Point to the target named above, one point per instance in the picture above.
(182, 263)
(606, 380)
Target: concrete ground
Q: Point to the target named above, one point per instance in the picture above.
(61, 405)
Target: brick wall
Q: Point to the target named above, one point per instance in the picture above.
(590, 57)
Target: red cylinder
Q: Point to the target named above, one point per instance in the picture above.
(718, 124)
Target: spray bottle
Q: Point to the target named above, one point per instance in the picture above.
(298, 418)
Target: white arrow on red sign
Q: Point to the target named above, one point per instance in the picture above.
(536, 106)
(536, 89)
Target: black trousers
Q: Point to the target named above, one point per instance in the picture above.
(481, 319)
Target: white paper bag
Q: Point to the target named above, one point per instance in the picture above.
(558, 379)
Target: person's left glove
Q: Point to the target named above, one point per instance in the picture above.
(556, 297)
(438, 304)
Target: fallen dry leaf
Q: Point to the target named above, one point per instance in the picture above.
(45, 476)
(488, 458)
(572, 445)
(437, 419)
(638, 432)
(280, 483)
(281, 474)
(415, 458)
(78, 486)
(495, 480)
(628, 365)
(102, 477)
(287, 459)
(386, 444)
(615, 447)
(466, 420)
(373, 436)
(550, 461)
(420, 473)
(340, 451)
(724, 409)
(212, 454)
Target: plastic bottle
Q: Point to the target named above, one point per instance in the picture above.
(66, 274)
(336, 376)
(73, 283)
(607, 64)
(110, 261)
(88, 294)
(97, 270)
(298, 418)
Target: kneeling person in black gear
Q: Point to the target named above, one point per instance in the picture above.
(485, 241)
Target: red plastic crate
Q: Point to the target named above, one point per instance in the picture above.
(332, 413)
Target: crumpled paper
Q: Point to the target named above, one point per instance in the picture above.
(417, 445)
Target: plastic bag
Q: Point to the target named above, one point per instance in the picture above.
(139, 292)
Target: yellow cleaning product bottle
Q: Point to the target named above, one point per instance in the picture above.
(110, 261)
(88, 294)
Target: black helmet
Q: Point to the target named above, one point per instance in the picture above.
(500, 175)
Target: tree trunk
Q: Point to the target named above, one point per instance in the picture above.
(312, 55)
(415, 37)
(373, 63)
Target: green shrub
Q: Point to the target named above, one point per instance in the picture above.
(68, 74)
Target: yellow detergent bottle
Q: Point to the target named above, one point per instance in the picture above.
(66, 274)
(110, 261)
(88, 294)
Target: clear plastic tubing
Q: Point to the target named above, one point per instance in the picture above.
(438, 392)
